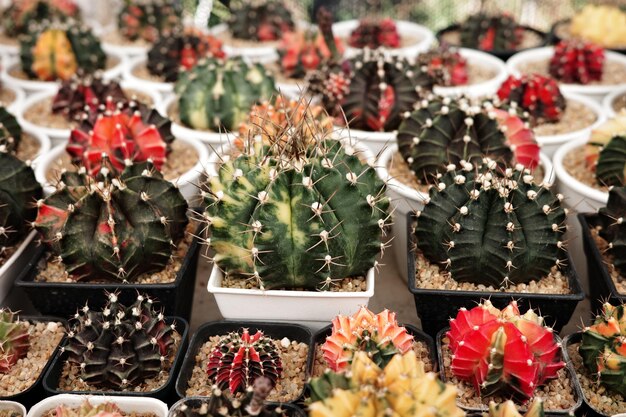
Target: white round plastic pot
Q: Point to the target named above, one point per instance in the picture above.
(163, 88)
(13, 266)
(374, 141)
(426, 37)
(550, 144)
(13, 406)
(405, 200)
(235, 303)
(207, 137)
(138, 405)
(31, 86)
(577, 195)
(482, 89)
(17, 101)
(9, 50)
(127, 50)
(56, 135)
(187, 183)
(44, 144)
(594, 91)
(607, 103)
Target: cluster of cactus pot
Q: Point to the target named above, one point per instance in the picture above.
(22, 13)
(605, 152)
(577, 62)
(499, 32)
(14, 339)
(260, 20)
(147, 19)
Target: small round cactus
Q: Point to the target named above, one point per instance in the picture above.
(10, 131)
(577, 62)
(260, 20)
(491, 227)
(605, 152)
(603, 348)
(614, 227)
(147, 19)
(240, 358)
(503, 351)
(375, 34)
(135, 219)
(302, 52)
(22, 13)
(14, 339)
(57, 51)
(498, 32)
(377, 334)
(445, 65)
(119, 347)
(538, 96)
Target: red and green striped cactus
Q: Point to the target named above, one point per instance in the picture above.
(22, 13)
(135, 220)
(503, 351)
(260, 20)
(147, 19)
(14, 339)
(499, 32)
(375, 33)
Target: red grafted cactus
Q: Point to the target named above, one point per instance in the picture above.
(126, 132)
(374, 34)
(240, 357)
(577, 62)
(446, 65)
(535, 94)
(502, 351)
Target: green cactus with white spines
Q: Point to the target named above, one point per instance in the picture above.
(296, 214)
(611, 168)
(10, 131)
(614, 227)
(491, 227)
(218, 94)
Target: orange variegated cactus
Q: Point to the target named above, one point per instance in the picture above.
(64, 61)
(378, 334)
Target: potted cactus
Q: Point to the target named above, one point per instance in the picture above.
(327, 266)
(12, 409)
(580, 67)
(28, 345)
(399, 386)
(498, 34)
(597, 355)
(555, 118)
(81, 406)
(215, 96)
(231, 355)
(128, 349)
(56, 112)
(493, 354)
(140, 241)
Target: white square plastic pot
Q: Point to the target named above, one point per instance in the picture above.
(126, 404)
(269, 305)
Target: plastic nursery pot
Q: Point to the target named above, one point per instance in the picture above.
(36, 392)
(64, 298)
(435, 307)
(595, 91)
(195, 402)
(164, 393)
(276, 331)
(187, 183)
(549, 413)
(503, 55)
(405, 199)
(616, 97)
(561, 26)
(482, 89)
(32, 86)
(422, 37)
(138, 405)
(57, 135)
(376, 142)
(12, 407)
(132, 64)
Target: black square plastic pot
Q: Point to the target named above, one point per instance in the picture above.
(35, 392)
(554, 38)
(503, 55)
(195, 402)
(587, 409)
(64, 298)
(601, 285)
(165, 393)
(216, 328)
(568, 367)
(436, 307)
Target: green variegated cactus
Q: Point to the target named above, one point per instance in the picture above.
(296, 210)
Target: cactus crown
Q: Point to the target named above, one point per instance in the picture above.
(375, 33)
(606, 151)
(577, 62)
(86, 409)
(443, 130)
(119, 347)
(377, 334)
(503, 351)
(147, 19)
(217, 94)
(260, 20)
(14, 339)
(370, 91)
(125, 131)
(301, 52)
(498, 32)
(296, 210)
(10, 131)
(135, 219)
(22, 13)
(240, 358)
(401, 388)
(538, 96)
(19, 190)
(509, 409)
(445, 65)
(614, 227)
(85, 93)
(603, 348)
(57, 51)
(477, 214)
